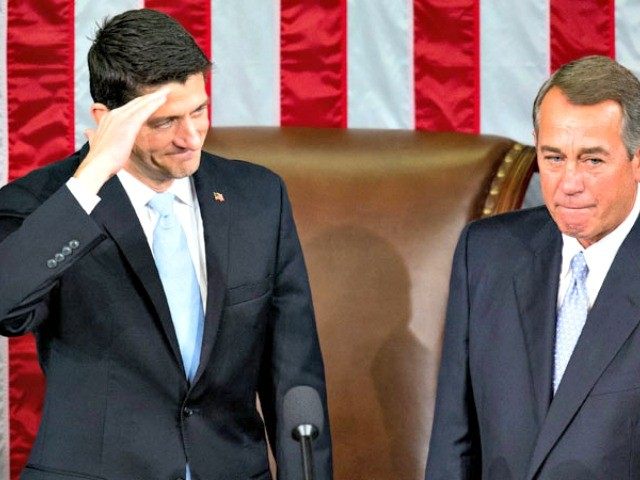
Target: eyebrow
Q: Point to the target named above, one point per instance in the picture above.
(582, 151)
(547, 148)
(592, 150)
(157, 120)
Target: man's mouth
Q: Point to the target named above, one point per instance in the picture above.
(575, 207)
(182, 154)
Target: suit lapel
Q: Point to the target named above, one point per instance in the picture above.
(613, 317)
(536, 286)
(214, 210)
(116, 214)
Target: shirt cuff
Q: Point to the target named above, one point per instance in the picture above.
(87, 200)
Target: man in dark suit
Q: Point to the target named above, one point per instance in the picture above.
(540, 372)
(156, 327)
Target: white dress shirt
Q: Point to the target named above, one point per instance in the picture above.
(598, 256)
(186, 208)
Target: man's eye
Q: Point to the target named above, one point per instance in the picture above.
(553, 158)
(163, 124)
(594, 161)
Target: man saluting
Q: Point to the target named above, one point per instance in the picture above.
(165, 286)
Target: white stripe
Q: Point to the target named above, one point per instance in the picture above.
(380, 64)
(627, 27)
(514, 62)
(246, 53)
(88, 15)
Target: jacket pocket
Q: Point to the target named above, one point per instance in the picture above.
(39, 472)
(249, 291)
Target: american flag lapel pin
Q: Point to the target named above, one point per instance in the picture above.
(218, 197)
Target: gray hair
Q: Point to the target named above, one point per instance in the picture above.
(594, 79)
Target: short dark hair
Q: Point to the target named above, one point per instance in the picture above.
(594, 79)
(138, 49)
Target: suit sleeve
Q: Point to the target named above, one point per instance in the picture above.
(32, 234)
(454, 449)
(292, 353)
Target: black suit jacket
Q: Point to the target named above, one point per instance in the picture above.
(118, 405)
(496, 416)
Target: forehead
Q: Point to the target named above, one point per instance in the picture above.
(559, 117)
(182, 97)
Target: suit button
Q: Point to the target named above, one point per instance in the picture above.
(65, 251)
(51, 263)
(187, 412)
(74, 244)
(58, 257)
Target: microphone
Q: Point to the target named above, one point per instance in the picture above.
(304, 419)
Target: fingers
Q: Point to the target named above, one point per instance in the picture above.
(145, 104)
(134, 113)
(110, 144)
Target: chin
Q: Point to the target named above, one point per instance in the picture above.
(574, 232)
(582, 234)
(574, 220)
(572, 228)
(187, 169)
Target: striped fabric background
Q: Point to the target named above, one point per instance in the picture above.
(465, 65)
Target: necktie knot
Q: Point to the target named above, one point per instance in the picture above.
(163, 204)
(579, 268)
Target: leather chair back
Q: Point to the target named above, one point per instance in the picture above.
(379, 214)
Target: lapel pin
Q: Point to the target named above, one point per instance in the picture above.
(218, 197)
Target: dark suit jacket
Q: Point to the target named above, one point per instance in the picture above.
(496, 417)
(118, 405)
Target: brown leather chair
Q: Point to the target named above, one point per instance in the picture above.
(378, 214)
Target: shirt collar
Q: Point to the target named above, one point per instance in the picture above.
(140, 193)
(602, 252)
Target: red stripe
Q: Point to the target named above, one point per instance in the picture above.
(581, 28)
(447, 65)
(40, 54)
(194, 16)
(40, 98)
(313, 63)
(26, 391)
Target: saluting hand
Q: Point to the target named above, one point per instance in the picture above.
(110, 144)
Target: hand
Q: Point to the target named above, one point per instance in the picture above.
(111, 143)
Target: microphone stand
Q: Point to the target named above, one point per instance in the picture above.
(305, 434)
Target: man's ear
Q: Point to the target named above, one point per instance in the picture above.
(98, 110)
(635, 165)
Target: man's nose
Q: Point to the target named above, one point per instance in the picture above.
(188, 136)
(572, 181)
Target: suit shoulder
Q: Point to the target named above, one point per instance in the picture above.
(237, 166)
(39, 184)
(517, 227)
(243, 173)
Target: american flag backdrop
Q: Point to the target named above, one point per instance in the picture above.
(464, 65)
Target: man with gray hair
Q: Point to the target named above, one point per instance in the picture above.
(539, 374)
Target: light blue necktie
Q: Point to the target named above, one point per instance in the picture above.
(179, 280)
(571, 317)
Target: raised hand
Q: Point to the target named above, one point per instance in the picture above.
(111, 142)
